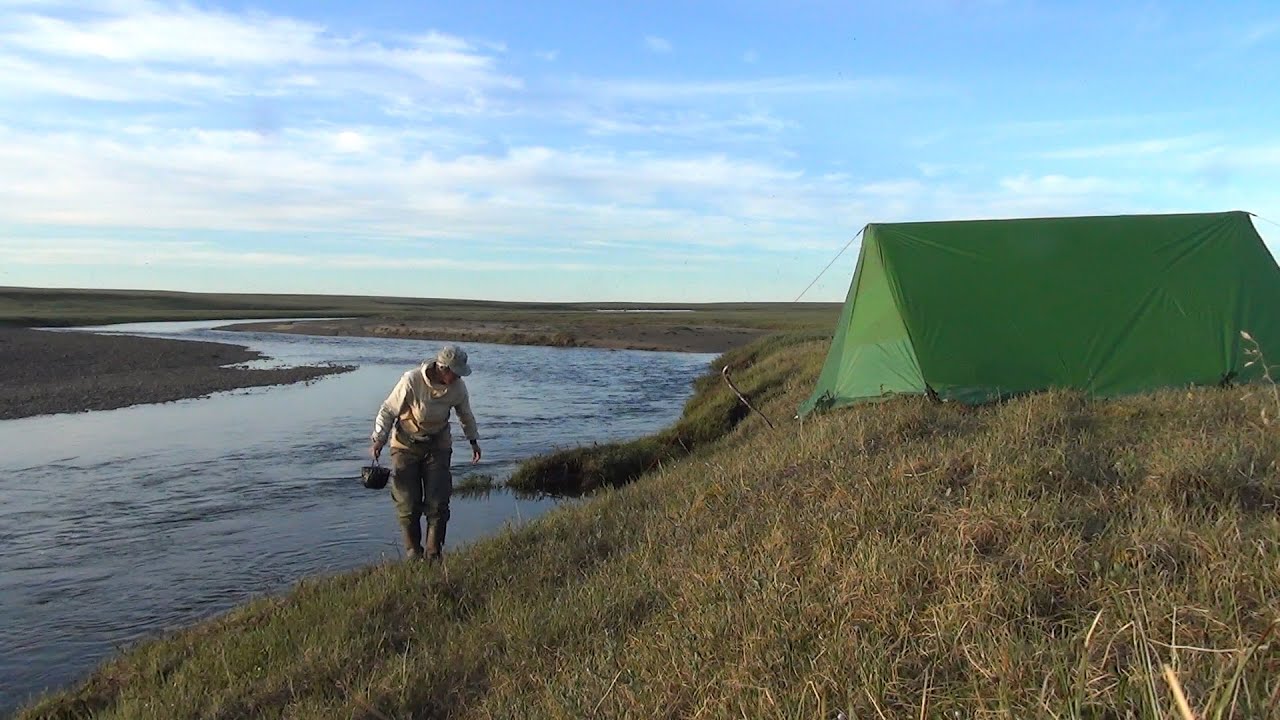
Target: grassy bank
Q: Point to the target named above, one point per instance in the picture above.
(65, 307)
(711, 412)
(1048, 557)
(54, 307)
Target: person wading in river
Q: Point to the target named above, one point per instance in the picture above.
(416, 417)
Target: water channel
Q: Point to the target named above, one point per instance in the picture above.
(115, 525)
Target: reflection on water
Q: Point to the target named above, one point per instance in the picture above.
(117, 524)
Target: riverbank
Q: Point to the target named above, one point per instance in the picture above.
(596, 331)
(674, 327)
(1048, 556)
(67, 372)
(681, 327)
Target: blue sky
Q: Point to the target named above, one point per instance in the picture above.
(682, 151)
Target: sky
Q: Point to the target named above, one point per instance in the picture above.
(689, 151)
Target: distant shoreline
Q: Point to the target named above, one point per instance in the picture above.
(711, 328)
(612, 334)
(50, 373)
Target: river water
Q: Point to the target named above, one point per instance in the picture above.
(118, 524)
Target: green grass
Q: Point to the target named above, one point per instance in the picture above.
(1046, 557)
(475, 485)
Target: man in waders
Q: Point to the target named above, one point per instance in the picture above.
(416, 416)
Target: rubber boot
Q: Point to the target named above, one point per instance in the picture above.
(435, 539)
(413, 540)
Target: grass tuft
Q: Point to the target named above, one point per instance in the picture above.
(475, 485)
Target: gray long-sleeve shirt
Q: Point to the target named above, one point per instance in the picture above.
(423, 409)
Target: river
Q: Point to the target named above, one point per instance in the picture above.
(118, 524)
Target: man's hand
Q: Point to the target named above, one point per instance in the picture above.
(475, 452)
(375, 450)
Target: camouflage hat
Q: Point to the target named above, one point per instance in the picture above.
(454, 358)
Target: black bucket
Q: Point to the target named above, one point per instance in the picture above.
(375, 476)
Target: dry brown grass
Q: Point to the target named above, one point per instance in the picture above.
(1048, 557)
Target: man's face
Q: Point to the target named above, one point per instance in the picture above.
(448, 375)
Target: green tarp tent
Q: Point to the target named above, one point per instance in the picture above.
(973, 311)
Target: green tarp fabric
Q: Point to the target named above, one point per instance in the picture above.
(982, 309)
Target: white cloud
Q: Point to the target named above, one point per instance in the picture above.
(363, 180)
(366, 180)
(133, 51)
(750, 57)
(1134, 148)
(1264, 156)
(1062, 185)
(936, 170)
(34, 4)
(88, 250)
(689, 124)
(1180, 168)
(19, 78)
(663, 90)
(547, 55)
(171, 34)
(658, 45)
(891, 188)
(350, 141)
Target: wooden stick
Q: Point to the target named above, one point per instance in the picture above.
(725, 374)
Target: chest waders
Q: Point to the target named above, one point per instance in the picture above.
(421, 484)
